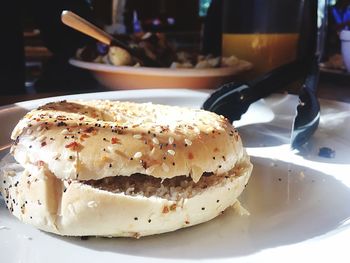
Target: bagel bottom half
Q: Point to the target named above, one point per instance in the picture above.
(133, 206)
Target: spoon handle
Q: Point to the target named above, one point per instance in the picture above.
(80, 24)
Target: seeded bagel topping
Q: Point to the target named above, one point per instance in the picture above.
(162, 136)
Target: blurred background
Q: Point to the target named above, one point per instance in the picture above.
(37, 37)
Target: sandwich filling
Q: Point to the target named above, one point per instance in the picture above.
(172, 189)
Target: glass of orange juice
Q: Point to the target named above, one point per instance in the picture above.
(264, 32)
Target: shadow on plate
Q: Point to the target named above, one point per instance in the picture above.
(287, 207)
(268, 122)
(333, 133)
(269, 129)
(264, 135)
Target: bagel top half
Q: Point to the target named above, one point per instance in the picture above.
(97, 139)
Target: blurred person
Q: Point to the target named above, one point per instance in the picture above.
(338, 20)
(340, 14)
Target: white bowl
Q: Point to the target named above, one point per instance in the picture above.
(345, 47)
(126, 77)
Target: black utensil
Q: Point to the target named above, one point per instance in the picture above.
(308, 110)
(233, 99)
(311, 49)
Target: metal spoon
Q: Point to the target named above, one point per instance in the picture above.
(80, 24)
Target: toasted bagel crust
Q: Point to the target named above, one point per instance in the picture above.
(97, 139)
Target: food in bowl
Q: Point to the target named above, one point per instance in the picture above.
(104, 168)
(158, 48)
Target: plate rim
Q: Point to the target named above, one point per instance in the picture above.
(92, 96)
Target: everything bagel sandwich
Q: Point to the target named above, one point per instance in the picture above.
(108, 168)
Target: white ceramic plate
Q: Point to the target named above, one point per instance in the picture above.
(299, 202)
(125, 77)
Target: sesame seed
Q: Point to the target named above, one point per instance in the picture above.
(171, 140)
(135, 218)
(56, 156)
(155, 140)
(171, 152)
(165, 167)
(39, 128)
(138, 155)
(137, 136)
(92, 204)
(42, 138)
(64, 132)
(188, 142)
